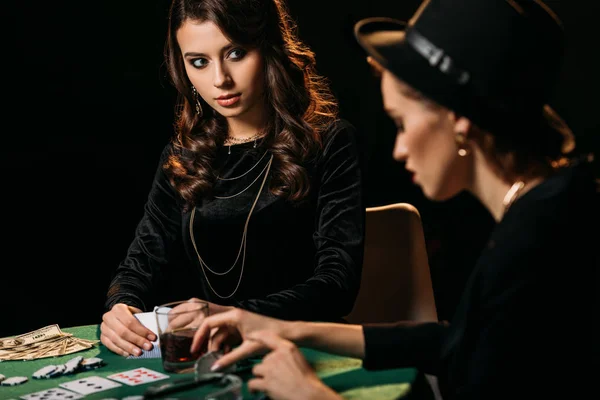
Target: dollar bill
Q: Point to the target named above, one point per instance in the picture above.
(48, 341)
(39, 335)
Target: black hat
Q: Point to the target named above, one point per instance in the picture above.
(494, 61)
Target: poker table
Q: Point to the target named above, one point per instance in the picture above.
(343, 374)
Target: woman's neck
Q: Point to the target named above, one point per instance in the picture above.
(247, 125)
(495, 193)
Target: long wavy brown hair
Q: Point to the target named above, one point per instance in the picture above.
(298, 100)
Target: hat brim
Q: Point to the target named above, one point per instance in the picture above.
(383, 39)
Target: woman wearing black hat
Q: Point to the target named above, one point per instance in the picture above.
(467, 82)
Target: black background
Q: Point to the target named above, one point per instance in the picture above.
(87, 109)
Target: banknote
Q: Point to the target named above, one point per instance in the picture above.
(49, 341)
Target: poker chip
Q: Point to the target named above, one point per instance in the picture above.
(91, 363)
(14, 380)
(44, 373)
(60, 369)
(72, 365)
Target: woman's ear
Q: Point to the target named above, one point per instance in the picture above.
(461, 124)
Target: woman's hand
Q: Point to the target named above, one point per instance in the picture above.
(231, 328)
(284, 373)
(122, 333)
(189, 314)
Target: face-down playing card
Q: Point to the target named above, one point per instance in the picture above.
(90, 384)
(138, 376)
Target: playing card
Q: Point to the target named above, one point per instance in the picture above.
(91, 384)
(52, 394)
(138, 376)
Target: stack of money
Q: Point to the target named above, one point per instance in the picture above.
(48, 341)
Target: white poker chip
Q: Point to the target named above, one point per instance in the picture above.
(60, 369)
(92, 363)
(72, 365)
(13, 381)
(44, 372)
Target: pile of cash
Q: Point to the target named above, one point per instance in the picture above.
(48, 341)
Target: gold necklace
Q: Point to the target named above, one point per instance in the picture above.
(203, 265)
(230, 140)
(512, 194)
(234, 139)
(245, 173)
(268, 165)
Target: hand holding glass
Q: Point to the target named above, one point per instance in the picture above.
(177, 323)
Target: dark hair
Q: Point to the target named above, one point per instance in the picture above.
(299, 102)
(537, 151)
(516, 154)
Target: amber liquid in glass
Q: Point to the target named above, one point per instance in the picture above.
(175, 350)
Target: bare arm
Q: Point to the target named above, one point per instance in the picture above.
(341, 339)
(240, 328)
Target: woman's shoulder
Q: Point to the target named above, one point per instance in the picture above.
(173, 149)
(340, 125)
(564, 205)
(570, 185)
(340, 132)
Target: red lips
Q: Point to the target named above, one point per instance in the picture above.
(227, 96)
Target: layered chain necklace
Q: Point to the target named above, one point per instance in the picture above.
(242, 249)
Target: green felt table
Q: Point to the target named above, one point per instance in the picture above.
(345, 375)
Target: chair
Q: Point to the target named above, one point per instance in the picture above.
(396, 282)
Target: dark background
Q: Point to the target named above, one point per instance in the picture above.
(87, 110)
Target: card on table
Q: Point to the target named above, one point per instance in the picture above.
(90, 384)
(52, 394)
(138, 376)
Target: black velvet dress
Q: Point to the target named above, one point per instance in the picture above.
(298, 260)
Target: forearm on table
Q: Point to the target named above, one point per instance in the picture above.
(341, 339)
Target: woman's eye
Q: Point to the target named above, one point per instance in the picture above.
(400, 126)
(199, 62)
(236, 54)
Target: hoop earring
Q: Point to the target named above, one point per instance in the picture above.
(461, 142)
(199, 110)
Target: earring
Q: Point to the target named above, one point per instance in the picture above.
(199, 110)
(461, 142)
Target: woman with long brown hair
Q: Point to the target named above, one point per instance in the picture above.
(257, 200)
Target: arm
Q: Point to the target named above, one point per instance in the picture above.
(139, 273)
(136, 278)
(330, 292)
(403, 344)
(341, 339)
(229, 328)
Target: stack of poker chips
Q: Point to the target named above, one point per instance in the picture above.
(12, 381)
(75, 364)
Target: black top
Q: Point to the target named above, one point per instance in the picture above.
(302, 260)
(524, 326)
